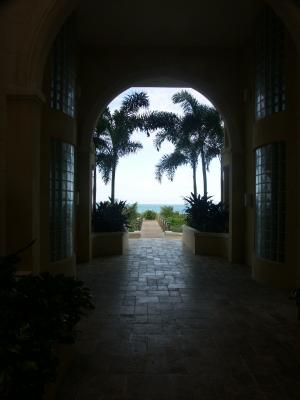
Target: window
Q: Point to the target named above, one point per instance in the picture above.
(270, 96)
(63, 79)
(270, 201)
(61, 200)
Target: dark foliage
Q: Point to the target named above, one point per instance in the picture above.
(110, 217)
(203, 215)
(37, 313)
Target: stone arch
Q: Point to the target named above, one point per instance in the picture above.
(96, 97)
(50, 15)
(101, 96)
(104, 99)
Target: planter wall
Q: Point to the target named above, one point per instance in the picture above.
(109, 243)
(134, 235)
(205, 243)
(65, 355)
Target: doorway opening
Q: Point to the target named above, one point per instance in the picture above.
(156, 158)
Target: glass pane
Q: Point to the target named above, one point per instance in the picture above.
(63, 77)
(61, 207)
(270, 201)
(270, 96)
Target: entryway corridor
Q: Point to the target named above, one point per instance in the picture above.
(170, 325)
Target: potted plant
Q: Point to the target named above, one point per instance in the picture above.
(206, 229)
(38, 316)
(110, 235)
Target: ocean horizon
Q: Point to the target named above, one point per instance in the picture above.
(156, 207)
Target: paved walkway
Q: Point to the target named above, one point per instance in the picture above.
(169, 325)
(151, 229)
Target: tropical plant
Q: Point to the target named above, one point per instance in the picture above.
(198, 134)
(110, 217)
(176, 221)
(204, 125)
(166, 211)
(37, 313)
(134, 217)
(113, 132)
(172, 220)
(149, 214)
(203, 215)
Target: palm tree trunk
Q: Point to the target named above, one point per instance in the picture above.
(194, 167)
(95, 188)
(204, 173)
(113, 180)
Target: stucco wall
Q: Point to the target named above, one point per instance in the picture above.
(282, 126)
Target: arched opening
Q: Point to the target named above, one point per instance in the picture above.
(230, 143)
(136, 169)
(160, 99)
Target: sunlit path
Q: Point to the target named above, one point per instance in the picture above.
(169, 325)
(151, 229)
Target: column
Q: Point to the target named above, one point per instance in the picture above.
(23, 177)
(237, 213)
(84, 209)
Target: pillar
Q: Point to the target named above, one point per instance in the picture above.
(84, 209)
(237, 214)
(23, 177)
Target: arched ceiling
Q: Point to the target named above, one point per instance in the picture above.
(166, 22)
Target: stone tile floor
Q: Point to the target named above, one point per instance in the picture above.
(170, 325)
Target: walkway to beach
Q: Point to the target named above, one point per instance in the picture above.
(151, 229)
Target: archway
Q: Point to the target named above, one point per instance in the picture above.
(232, 153)
(34, 40)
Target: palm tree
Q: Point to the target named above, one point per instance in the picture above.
(204, 124)
(198, 134)
(113, 132)
(186, 149)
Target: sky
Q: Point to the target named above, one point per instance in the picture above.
(135, 174)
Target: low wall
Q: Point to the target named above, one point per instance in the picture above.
(66, 266)
(65, 355)
(280, 275)
(134, 235)
(109, 243)
(205, 243)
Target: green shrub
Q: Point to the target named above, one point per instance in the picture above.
(110, 217)
(166, 211)
(36, 312)
(149, 214)
(134, 218)
(204, 215)
(176, 221)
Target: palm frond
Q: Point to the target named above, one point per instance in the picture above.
(129, 148)
(134, 102)
(188, 102)
(168, 165)
(105, 163)
(104, 122)
(161, 120)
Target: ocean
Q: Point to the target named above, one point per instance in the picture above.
(156, 207)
